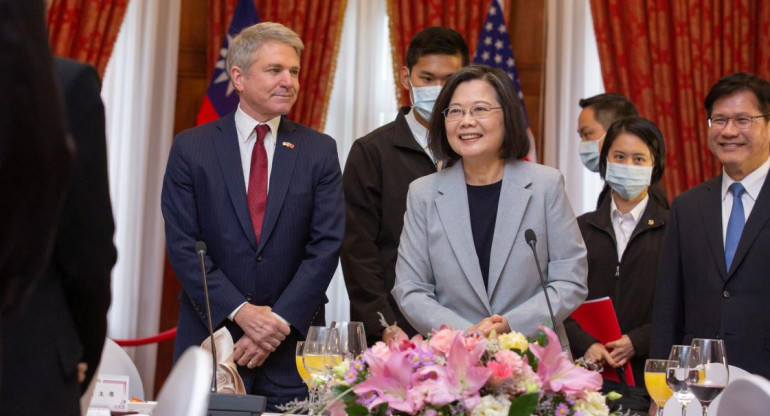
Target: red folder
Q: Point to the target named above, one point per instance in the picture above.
(597, 317)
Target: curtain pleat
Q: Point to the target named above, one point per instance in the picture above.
(666, 55)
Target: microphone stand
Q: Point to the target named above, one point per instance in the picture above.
(221, 404)
(531, 239)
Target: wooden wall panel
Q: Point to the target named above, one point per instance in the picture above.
(526, 25)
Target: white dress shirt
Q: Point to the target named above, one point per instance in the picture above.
(624, 224)
(752, 183)
(247, 137)
(419, 132)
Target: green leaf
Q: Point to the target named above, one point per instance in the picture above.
(382, 410)
(355, 409)
(524, 405)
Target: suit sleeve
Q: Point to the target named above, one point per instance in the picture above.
(667, 315)
(300, 300)
(85, 251)
(180, 212)
(360, 254)
(415, 286)
(566, 266)
(579, 340)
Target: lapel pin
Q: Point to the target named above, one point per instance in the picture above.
(290, 145)
(650, 222)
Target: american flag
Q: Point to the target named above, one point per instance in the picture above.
(221, 97)
(494, 49)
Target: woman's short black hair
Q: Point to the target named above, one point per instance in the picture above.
(515, 139)
(647, 132)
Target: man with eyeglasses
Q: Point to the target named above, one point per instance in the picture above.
(377, 174)
(714, 276)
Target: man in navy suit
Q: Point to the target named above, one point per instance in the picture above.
(265, 195)
(713, 277)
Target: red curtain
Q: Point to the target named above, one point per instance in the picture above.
(318, 23)
(407, 17)
(85, 29)
(665, 56)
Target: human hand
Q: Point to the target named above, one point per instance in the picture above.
(394, 333)
(621, 350)
(247, 353)
(598, 354)
(82, 368)
(498, 323)
(262, 326)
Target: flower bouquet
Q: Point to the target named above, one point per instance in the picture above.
(453, 373)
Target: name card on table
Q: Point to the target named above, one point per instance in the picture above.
(111, 392)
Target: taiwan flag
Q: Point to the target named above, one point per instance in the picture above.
(494, 49)
(221, 98)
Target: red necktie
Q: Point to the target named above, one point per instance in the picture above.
(257, 194)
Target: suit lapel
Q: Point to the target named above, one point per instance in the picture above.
(229, 156)
(284, 159)
(454, 214)
(711, 216)
(514, 197)
(759, 216)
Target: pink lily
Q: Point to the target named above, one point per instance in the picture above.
(391, 382)
(558, 373)
(465, 373)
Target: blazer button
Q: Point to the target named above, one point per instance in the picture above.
(259, 258)
(726, 294)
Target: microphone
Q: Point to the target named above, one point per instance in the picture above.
(200, 248)
(531, 239)
(221, 404)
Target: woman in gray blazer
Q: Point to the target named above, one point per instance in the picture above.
(463, 259)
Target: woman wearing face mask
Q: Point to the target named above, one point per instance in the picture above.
(463, 259)
(623, 237)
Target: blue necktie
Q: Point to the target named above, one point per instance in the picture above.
(734, 224)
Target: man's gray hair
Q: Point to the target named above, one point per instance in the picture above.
(243, 46)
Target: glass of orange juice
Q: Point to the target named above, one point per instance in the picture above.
(300, 363)
(655, 380)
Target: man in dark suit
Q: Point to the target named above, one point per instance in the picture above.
(272, 247)
(53, 346)
(378, 171)
(713, 277)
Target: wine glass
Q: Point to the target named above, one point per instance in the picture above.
(707, 370)
(352, 339)
(655, 380)
(676, 374)
(321, 352)
(301, 364)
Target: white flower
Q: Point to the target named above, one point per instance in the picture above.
(593, 404)
(492, 406)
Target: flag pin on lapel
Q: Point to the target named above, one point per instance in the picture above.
(290, 145)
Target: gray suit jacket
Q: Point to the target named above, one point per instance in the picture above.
(438, 277)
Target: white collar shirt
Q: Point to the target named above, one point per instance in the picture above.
(752, 183)
(419, 132)
(624, 224)
(247, 137)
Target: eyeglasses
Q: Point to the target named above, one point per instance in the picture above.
(477, 112)
(741, 122)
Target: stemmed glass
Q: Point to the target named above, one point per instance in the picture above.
(676, 374)
(352, 339)
(707, 370)
(655, 380)
(321, 352)
(300, 363)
